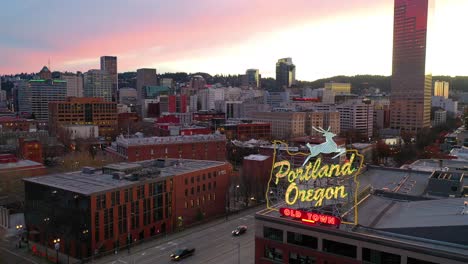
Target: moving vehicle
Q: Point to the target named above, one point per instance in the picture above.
(182, 253)
(239, 230)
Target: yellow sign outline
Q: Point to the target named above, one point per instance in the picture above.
(356, 182)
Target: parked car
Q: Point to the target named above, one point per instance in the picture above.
(182, 253)
(239, 230)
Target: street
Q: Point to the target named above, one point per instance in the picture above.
(213, 242)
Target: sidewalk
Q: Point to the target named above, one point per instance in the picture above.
(158, 241)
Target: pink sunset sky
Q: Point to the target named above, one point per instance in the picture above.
(324, 38)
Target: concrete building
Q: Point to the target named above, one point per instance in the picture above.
(284, 125)
(447, 104)
(357, 116)
(338, 88)
(98, 83)
(440, 117)
(168, 82)
(109, 65)
(410, 100)
(207, 98)
(3, 95)
(381, 114)
(123, 203)
(204, 147)
(74, 132)
(197, 83)
(276, 99)
(145, 77)
(233, 109)
(285, 73)
(389, 227)
(84, 111)
(74, 83)
(247, 131)
(128, 96)
(42, 92)
(441, 88)
(253, 78)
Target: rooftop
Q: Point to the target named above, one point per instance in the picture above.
(438, 164)
(90, 181)
(136, 141)
(256, 157)
(20, 164)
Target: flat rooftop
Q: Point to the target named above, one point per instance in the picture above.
(21, 164)
(435, 164)
(256, 157)
(97, 182)
(136, 141)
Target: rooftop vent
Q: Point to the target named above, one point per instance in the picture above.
(88, 170)
(118, 175)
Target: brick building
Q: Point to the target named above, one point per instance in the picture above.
(12, 171)
(84, 111)
(15, 124)
(31, 150)
(121, 201)
(126, 120)
(203, 147)
(246, 131)
(256, 170)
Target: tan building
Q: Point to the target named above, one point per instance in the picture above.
(84, 111)
(338, 88)
(441, 88)
(284, 125)
(332, 120)
(314, 119)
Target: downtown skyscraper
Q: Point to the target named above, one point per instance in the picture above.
(109, 65)
(285, 73)
(410, 100)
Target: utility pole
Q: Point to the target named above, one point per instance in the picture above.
(238, 252)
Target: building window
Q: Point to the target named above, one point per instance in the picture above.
(101, 201)
(186, 192)
(209, 175)
(302, 240)
(122, 219)
(96, 227)
(115, 198)
(214, 185)
(191, 203)
(214, 196)
(273, 253)
(295, 258)
(186, 205)
(204, 176)
(146, 211)
(140, 191)
(198, 189)
(204, 187)
(186, 181)
(191, 191)
(128, 195)
(191, 180)
(273, 233)
(198, 201)
(198, 178)
(339, 248)
(376, 256)
(135, 214)
(108, 223)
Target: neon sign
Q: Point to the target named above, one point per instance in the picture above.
(310, 217)
(315, 182)
(313, 172)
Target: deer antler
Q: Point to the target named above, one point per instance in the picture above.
(320, 130)
(328, 130)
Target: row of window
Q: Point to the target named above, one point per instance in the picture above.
(153, 190)
(203, 188)
(329, 246)
(193, 203)
(203, 177)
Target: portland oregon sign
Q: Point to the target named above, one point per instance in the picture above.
(317, 185)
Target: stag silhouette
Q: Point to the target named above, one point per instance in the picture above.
(329, 146)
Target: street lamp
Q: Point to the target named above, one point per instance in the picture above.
(57, 247)
(46, 239)
(18, 229)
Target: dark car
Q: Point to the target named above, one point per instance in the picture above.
(239, 230)
(182, 253)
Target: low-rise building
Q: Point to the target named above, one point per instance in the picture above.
(203, 147)
(111, 208)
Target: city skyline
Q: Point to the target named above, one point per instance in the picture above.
(177, 37)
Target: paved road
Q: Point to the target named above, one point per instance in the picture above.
(213, 243)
